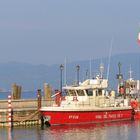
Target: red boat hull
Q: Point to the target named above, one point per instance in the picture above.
(137, 115)
(82, 117)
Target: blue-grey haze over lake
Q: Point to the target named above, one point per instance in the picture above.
(32, 76)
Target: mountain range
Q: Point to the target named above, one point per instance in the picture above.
(32, 77)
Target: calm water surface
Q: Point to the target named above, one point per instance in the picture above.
(24, 95)
(106, 131)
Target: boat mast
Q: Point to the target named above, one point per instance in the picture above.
(130, 74)
(78, 69)
(90, 68)
(65, 72)
(61, 76)
(87, 74)
(101, 70)
(110, 51)
(119, 76)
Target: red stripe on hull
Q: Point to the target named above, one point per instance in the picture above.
(137, 115)
(78, 117)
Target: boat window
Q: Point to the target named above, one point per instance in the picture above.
(96, 93)
(89, 92)
(80, 93)
(100, 92)
(72, 92)
(66, 91)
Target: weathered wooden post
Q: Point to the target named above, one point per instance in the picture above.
(39, 98)
(47, 91)
(19, 88)
(14, 90)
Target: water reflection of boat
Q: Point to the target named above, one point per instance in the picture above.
(90, 126)
(88, 102)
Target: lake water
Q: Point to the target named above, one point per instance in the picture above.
(126, 130)
(24, 95)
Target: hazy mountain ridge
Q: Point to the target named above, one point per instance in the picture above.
(32, 77)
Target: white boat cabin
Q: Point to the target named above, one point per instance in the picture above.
(90, 87)
(92, 92)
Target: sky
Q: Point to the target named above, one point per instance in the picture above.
(48, 31)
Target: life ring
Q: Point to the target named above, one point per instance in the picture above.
(134, 104)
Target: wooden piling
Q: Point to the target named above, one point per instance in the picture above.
(39, 102)
(22, 112)
(16, 91)
(39, 98)
(19, 88)
(47, 91)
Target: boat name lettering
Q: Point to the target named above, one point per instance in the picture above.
(119, 115)
(108, 116)
(98, 116)
(112, 115)
(105, 116)
(73, 117)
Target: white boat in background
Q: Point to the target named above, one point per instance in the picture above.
(130, 89)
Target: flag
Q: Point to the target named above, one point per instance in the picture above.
(139, 37)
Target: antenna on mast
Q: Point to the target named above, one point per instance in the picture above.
(110, 51)
(130, 74)
(101, 70)
(65, 72)
(90, 69)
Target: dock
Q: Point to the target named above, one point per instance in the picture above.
(23, 112)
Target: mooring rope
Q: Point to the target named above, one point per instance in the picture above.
(25, 118)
